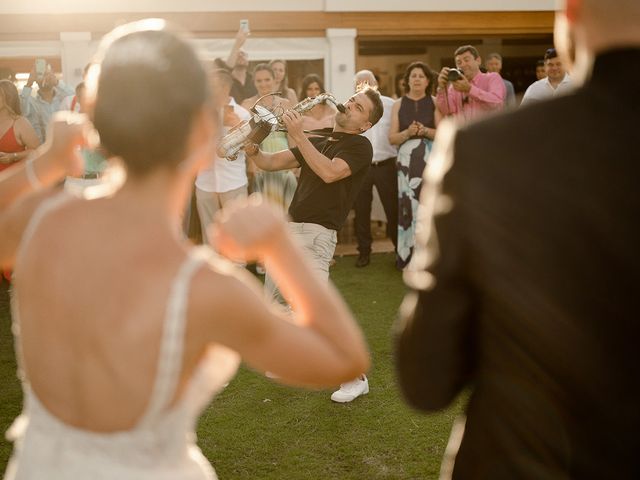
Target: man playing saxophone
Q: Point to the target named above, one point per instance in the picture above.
(333, 168)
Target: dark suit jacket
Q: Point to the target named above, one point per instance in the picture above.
(536, 297)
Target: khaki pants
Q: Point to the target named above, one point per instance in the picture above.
(318, 245)
(208, 203)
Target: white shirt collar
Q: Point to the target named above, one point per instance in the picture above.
(566, 79)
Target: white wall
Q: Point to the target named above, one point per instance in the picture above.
(99, 6)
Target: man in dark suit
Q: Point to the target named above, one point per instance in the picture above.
(526, 285)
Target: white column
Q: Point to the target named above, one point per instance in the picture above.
(76, 51)
(341, 66)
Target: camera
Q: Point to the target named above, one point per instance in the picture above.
(454, 74)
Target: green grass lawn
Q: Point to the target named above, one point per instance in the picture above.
(258, 429)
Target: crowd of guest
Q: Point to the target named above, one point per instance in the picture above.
(474, 88)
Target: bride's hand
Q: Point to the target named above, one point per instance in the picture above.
(248, 229)
(67, 133)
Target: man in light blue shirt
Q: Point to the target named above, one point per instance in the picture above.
(40, 107)
(494, 64)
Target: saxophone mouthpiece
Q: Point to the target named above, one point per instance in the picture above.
(340, 107)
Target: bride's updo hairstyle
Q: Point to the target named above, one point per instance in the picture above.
(150, 85)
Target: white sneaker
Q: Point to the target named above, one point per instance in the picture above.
(351, 390)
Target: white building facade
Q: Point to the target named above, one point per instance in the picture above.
(326, 30)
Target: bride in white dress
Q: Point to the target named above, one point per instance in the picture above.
(124, 330)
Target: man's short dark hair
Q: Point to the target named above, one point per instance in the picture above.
(373, 95)
(219, 63)
(540, 63)
(222, 75)
(494, 55)
(467, 48)
(549, 54)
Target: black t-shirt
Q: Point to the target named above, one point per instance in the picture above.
(328, 204)
(241, 92)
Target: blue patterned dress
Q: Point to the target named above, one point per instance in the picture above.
(412, 159)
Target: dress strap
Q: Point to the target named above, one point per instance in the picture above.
(41, 211)
(172, 340)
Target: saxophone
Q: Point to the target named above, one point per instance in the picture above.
(262, 123)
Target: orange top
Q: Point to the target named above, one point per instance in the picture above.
(9, 144)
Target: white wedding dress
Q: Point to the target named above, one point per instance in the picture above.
(162, 444)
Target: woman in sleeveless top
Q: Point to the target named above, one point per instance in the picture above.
(17, 136)
(277, 187)
(322, 115)
(414, 119)
(124, 330)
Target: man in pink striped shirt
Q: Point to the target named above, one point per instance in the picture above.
(472, 94)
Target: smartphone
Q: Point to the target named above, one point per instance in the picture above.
(41, 67)
(244, 25)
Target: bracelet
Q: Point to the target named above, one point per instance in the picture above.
(34, 182)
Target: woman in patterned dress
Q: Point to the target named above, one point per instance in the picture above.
(414, 119)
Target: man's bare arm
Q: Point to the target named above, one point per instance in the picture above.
(329, 170)
(272, 162)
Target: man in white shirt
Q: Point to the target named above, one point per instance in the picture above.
(223, 180)
(382, 175)
(557, 81)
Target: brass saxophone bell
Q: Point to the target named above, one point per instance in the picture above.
(252, 131)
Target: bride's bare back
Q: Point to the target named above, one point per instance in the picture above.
(92, 291)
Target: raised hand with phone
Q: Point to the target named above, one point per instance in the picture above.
(39, 108)
(241, 37)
